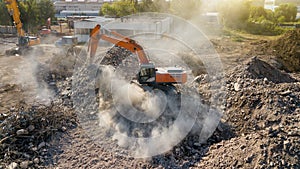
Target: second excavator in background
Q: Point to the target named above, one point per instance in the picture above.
(24, 42)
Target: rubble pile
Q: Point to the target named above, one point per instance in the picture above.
(63, 63)
(26, 131)
(263, 110)
(194, 63)
(258, 88)
(287, 50)
(259, 128)
(116, 55)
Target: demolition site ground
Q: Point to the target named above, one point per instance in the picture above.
(259, 127)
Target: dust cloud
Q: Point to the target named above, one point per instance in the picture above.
(27, 77)
(150, 122)
(146, 122)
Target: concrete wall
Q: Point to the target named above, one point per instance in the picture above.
(83, 28)
(8, 30)
(63, 9)
(158, 26)
(77, 6)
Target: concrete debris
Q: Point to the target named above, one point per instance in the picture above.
(259, 128)
(261, 101)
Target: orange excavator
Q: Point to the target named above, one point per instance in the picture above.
(148, 73)
(24, 42)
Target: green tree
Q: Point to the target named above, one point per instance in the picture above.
(153, 6)
(259, 14)
(45, 10)
(235, 13)
(29, 15)
(278, 2)
(146, 6)
(257, 3)
(286, 12)
(125, 7)
(108, 9)
(262, 22)
(256, 13)
(271, 15)
(185, 8)
(5, 18)
(119, 8)
(161, 6)
(33, 14)
(135, 2)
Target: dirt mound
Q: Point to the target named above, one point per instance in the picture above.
(116, 55)
(255, 68)
(260, 127)
(264, 114)
(63, 62)
(250, 94)
(25, 132)
(287, 50)
(262, 110)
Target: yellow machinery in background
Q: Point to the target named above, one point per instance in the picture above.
(24, 42)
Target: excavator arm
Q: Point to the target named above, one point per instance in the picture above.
(147, 74)
(13, 10)
(125, 42)
(23, 41)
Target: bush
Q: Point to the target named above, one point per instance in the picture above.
(118, 8)
(286, 13)
(265, 27)
(234, 14)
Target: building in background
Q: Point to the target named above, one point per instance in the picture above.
(125, 25)
(82, 28)
(77, 7)
(270, 4)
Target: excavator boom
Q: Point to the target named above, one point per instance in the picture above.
(125, 42)
(24, 41)
(13, 10)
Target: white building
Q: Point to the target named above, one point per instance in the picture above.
(126, 26)
(83, 28)
(270, 4)
(78, 7)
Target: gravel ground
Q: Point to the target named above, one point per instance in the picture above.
(259, 127)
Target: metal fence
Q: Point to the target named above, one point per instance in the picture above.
(8, 30)
(289, 25)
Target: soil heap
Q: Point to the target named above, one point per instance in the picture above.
(286, 49)
(262, 109)
(259, 129)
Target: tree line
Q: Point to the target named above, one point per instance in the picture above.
(234, 14)
(242, 15)
(33, 14)
(183, 8)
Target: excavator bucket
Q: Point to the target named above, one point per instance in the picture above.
(94, 40)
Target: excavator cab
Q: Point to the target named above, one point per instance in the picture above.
(23, 41)
(27, 41)
(146, 74)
